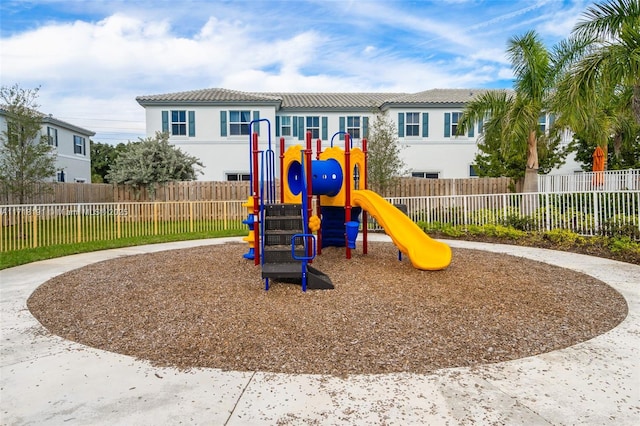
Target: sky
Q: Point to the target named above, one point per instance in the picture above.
(91, 58)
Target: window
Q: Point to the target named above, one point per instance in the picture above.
(542, 123)
(60, 176)
(455, 117)
(313, 126)
(426, 175)
(472, 171)
(179, 123)
(285, 126)
(412, 124)
(353, 127)
(52, 136)
(239, 122)
(79, 145)
(237, 177)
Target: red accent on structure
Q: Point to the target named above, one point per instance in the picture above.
(282, 169)
(347, 195)
(318, 206)
(309, 194)
(256, 202)
(363, 182)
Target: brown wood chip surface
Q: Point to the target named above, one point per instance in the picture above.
(207, 307)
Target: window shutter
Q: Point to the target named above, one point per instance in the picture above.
(401, 124)
(342, 128)
(365, 127)
(277, 126)
(447, 124)
(480, 126)
(470, 132)
(84, 146)
(301, 128)
(223, 123)
(256, 126)
(425, 124)
(295, 126)
(552, 119)
(165, 121)
(192, 123)
(325, 126)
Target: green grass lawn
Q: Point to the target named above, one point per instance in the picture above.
(20, 257)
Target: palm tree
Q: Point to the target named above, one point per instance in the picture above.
(598, 69)
(514, 117)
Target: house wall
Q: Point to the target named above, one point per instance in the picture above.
(76, 166)
(448, 156)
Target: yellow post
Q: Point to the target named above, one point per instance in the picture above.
(225, 214)
(79, 225)
(155, 218)
(34, 217)
(118, 214)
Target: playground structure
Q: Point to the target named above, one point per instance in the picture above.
(281, 228)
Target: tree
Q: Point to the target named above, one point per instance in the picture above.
(497, 158)
(103, 156)
(384, 165)
(151, 161)
(598, 88)
(513, 118)
(26, 158)
(627, 158)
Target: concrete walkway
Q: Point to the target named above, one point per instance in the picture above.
(46, 380)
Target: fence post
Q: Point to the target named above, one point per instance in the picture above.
(596, 213)
(155, 218)
(79, 223)
(190, 216)
(224, 214)
(466, 211)
(505, 208)
(547, 212)
(34, 217)
(119, 212)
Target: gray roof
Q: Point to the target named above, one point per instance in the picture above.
(438, 96)
(206, 96)
(302, 100)
(50, 119)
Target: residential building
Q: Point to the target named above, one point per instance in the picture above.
(213, 125)
(71, 143)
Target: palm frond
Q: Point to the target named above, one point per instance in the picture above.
(604, 20)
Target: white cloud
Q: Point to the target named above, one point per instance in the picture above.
(90, 70)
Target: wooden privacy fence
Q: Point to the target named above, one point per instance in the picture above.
(60, 192)
(420, 187)
(63, 192)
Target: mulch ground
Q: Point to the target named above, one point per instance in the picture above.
(207, 307)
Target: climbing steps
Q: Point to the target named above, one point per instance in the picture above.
(281, 223)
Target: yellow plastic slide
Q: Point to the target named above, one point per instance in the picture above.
(425, 253)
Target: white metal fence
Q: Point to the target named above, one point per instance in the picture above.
(610, 180)
(585, 213)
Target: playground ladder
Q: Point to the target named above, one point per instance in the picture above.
(281, 223)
